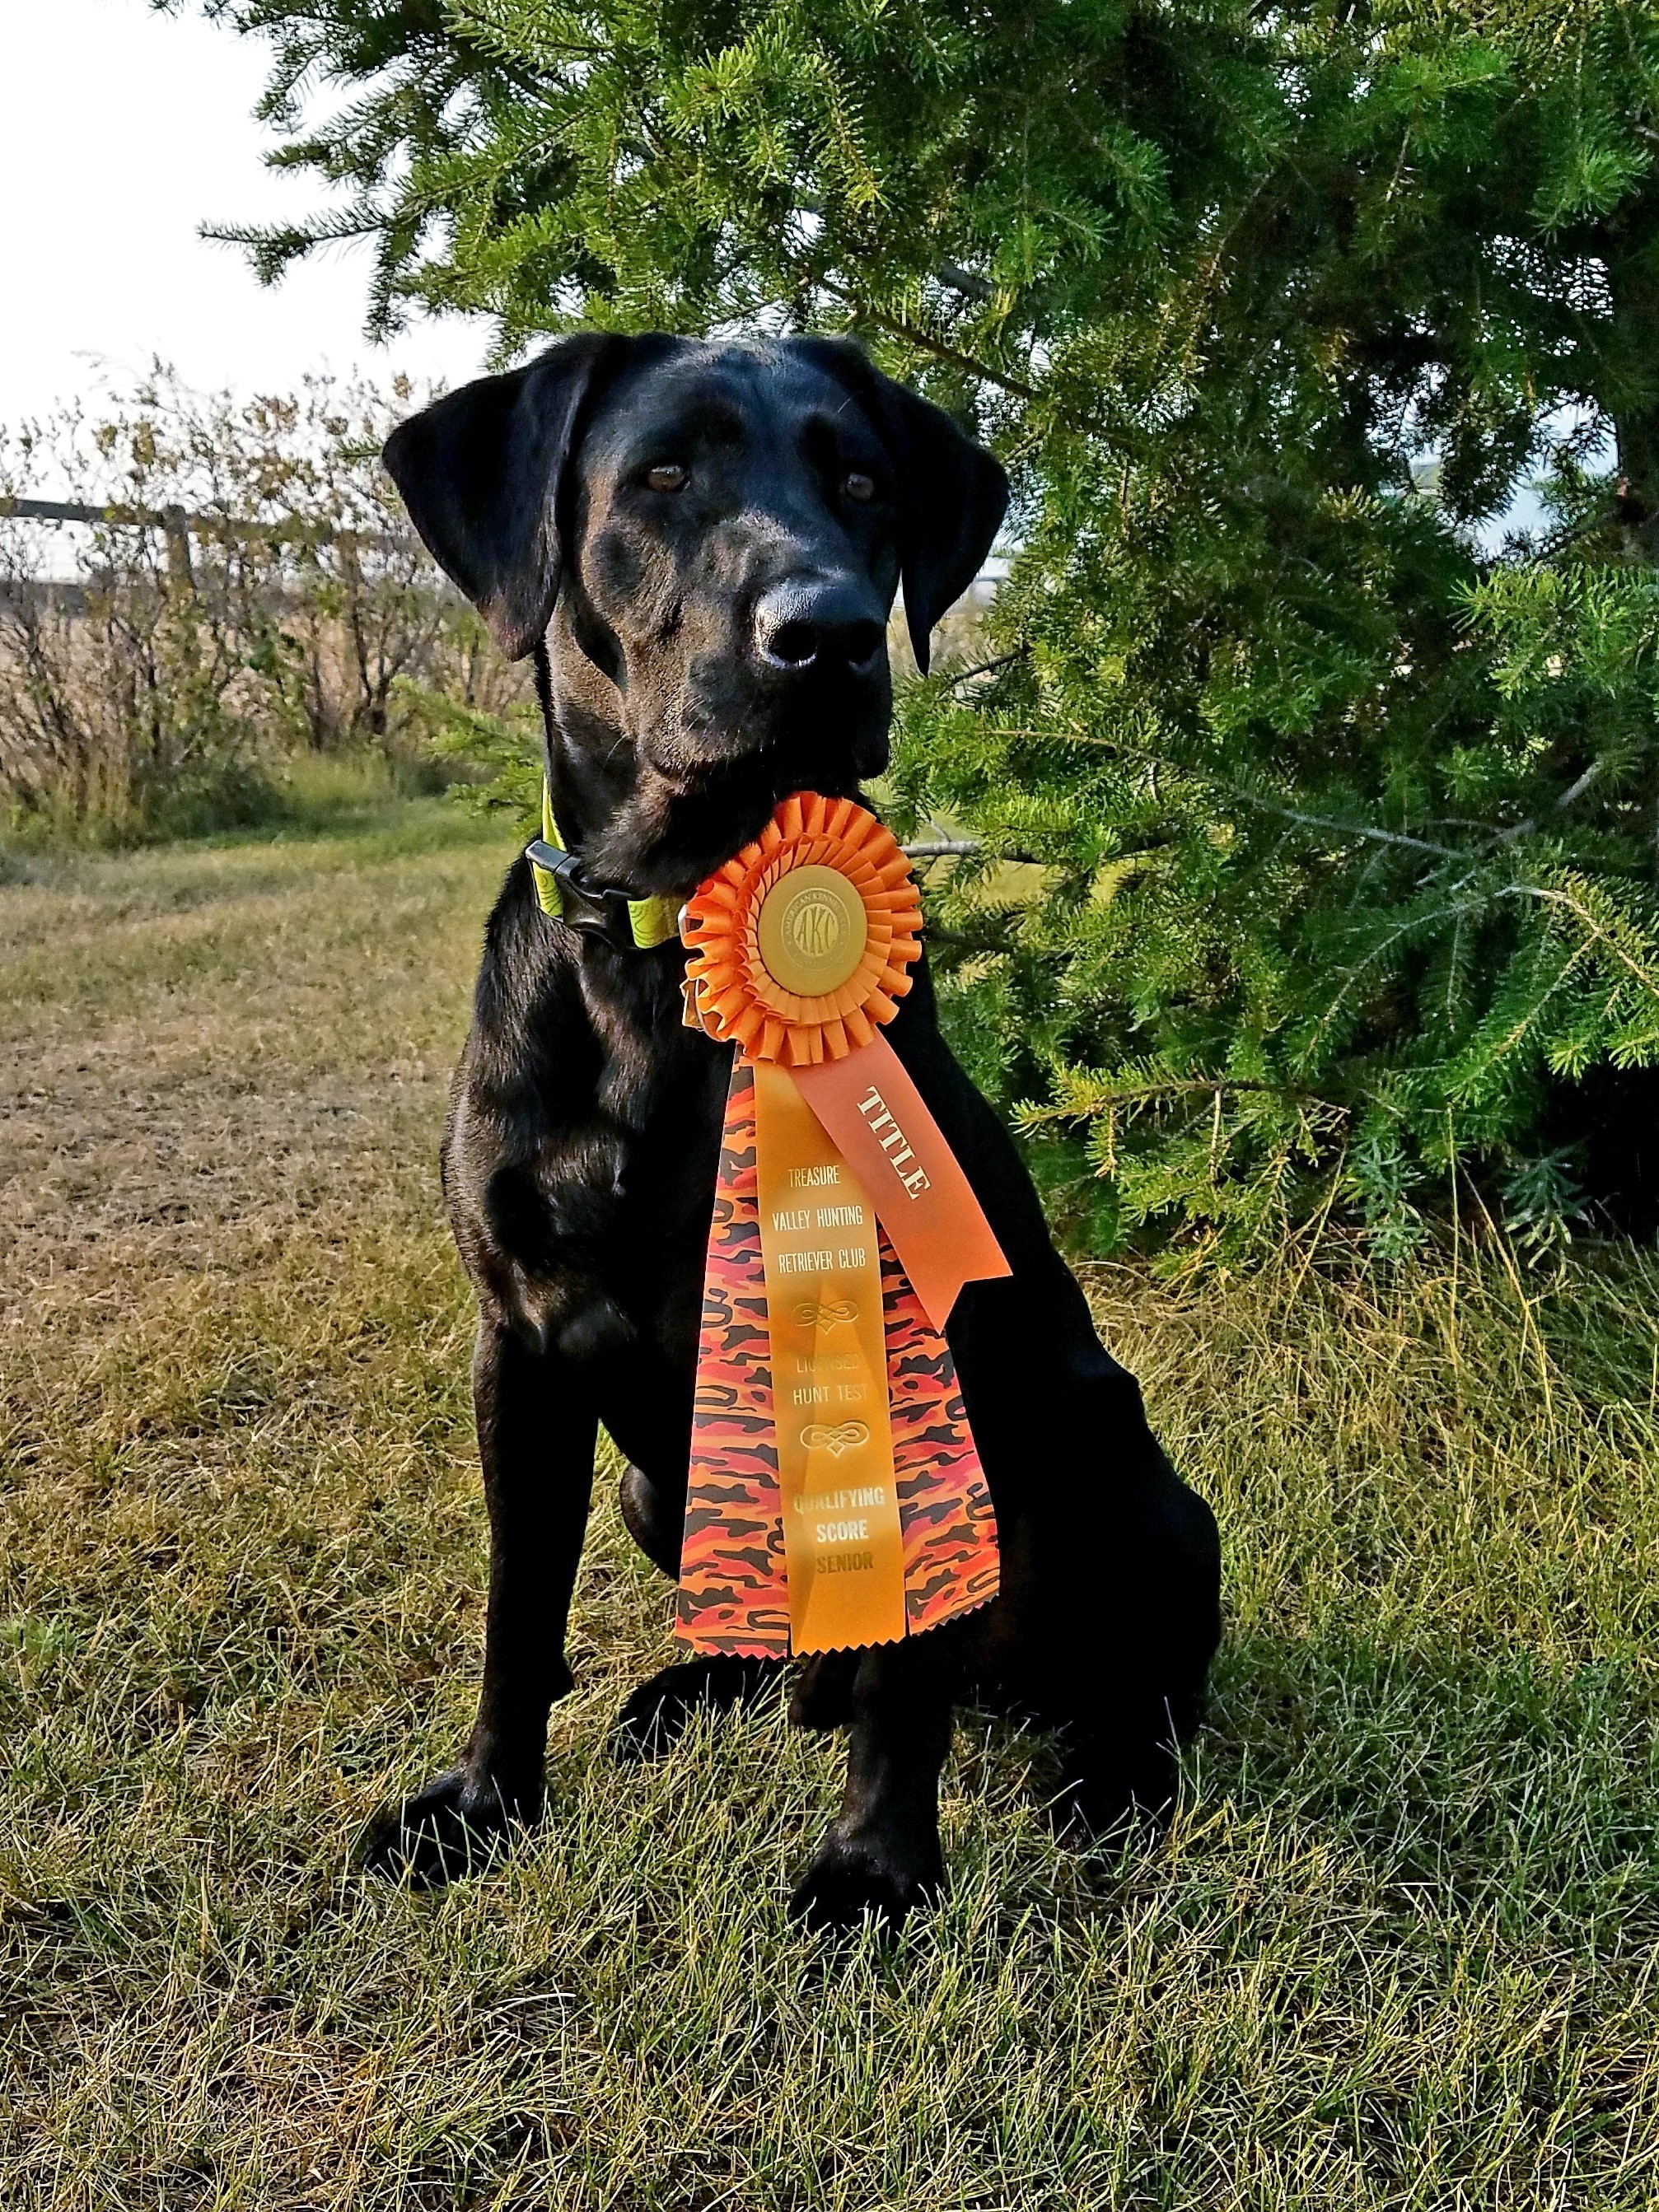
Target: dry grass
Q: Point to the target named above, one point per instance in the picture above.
(1400, 1951)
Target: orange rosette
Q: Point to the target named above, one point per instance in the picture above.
(801, 945)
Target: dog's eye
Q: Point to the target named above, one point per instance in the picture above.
(858, 486)
(668, 475)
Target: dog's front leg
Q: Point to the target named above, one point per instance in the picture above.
(882, 1853)
(537, 1432)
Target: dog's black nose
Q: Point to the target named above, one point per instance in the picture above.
(818, 622)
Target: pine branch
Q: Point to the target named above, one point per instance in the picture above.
(1344, 829)
(924, 341)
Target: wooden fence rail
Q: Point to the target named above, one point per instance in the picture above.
(179, 525)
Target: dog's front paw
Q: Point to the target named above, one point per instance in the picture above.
(455, 1826)
(849, 1878)
(822, 1697)
(657, 1714)
(1124, 1793)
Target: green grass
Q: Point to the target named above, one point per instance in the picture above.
(287, 794)
(1399, 1950)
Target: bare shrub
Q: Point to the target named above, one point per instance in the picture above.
(251, 590)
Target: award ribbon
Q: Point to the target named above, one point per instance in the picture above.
(835, 1497)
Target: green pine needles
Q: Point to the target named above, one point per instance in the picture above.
(1314, 792)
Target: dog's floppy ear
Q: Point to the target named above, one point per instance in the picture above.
(480, 472)
(952, 494)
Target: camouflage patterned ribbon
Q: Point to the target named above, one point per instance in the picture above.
(734, 1590)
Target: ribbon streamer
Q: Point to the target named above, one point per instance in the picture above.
(877, 1116)
(843, 1550)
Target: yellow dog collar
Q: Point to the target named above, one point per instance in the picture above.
(651, 921)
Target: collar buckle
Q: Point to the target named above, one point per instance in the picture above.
(582, 906)
(631, 925)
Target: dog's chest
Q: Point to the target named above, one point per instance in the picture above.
(661, 1088)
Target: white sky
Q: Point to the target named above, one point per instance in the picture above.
(121, 131)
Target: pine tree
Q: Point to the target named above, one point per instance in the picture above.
(1317, 833)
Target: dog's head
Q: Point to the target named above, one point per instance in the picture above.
(714, 534)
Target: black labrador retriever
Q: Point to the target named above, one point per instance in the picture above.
(700, 541)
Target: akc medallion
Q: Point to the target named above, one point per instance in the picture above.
(836, 1497)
